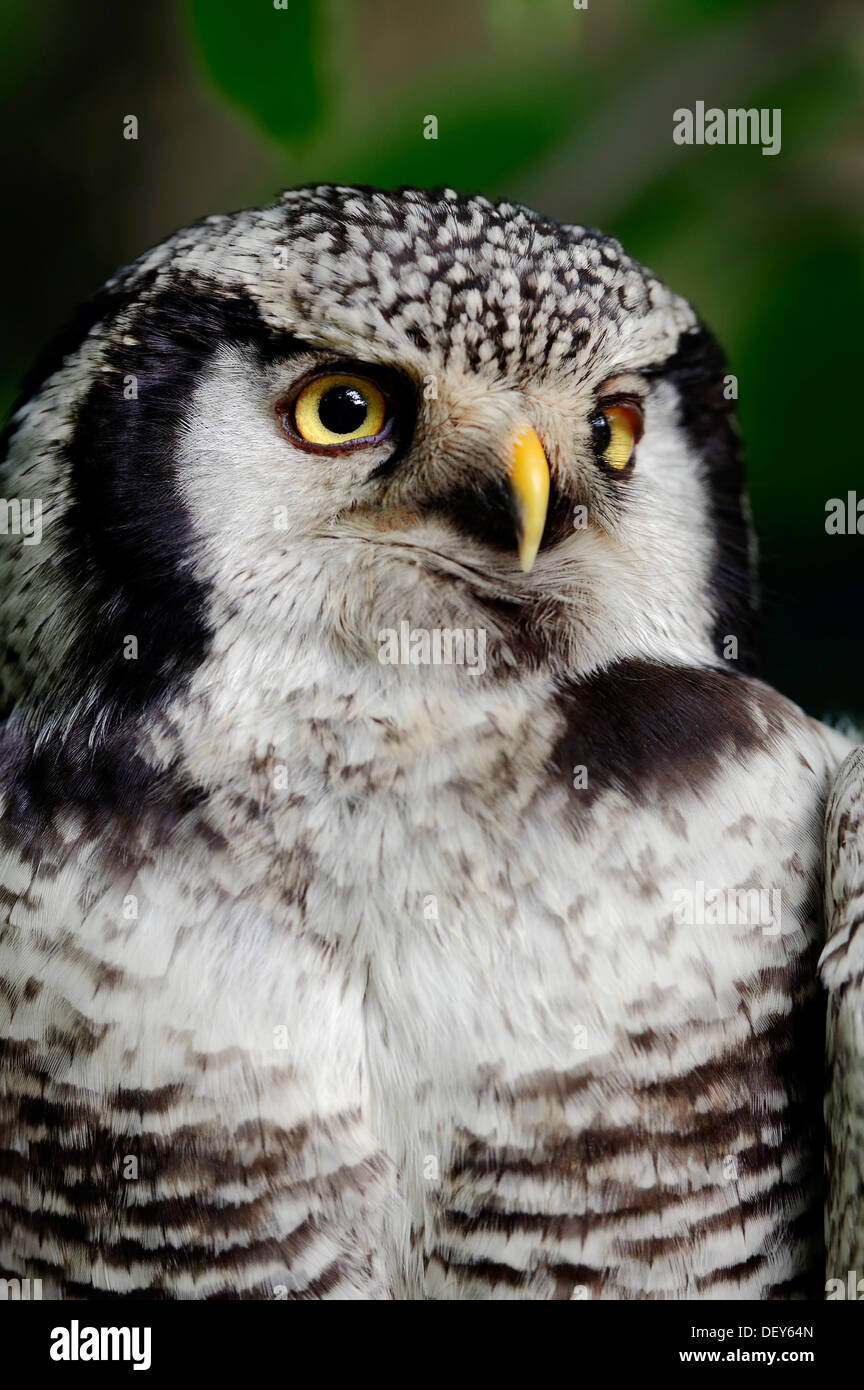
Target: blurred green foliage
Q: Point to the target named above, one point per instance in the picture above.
(568, 109)
(267, 63)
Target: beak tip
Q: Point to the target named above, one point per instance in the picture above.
(529, 484)
(527, 558)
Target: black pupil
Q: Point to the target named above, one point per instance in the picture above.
(602, 432)
(342, 409)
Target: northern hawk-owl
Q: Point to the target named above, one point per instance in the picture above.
(408, 889)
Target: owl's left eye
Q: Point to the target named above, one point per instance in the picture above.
(617, 429)
(336, 409)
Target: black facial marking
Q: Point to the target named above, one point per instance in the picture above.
(697, 370)
(486, 512)
(483, 512)
(129, 538)
(129, 550)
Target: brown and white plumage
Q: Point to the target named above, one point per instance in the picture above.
(842, 968)
(329, 978)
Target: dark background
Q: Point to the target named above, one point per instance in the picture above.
(568, 110)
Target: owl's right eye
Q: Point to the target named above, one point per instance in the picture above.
(617, 428)
(336, 410)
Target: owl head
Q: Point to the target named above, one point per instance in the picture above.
(285, 432)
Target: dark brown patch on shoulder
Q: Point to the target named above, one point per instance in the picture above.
(652, 732)
(105, 783)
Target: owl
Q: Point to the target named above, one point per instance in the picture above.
(409, 891)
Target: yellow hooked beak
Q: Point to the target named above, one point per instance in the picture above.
(529, 490)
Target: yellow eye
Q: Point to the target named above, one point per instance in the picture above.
(338, 409)
(617, 431)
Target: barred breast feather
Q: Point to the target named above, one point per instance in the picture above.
(393, 1044)
(843, 974)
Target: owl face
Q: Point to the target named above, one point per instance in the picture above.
(284, 432)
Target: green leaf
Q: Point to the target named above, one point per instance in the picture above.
(265, 60)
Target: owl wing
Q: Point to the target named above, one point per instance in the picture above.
(842, 967)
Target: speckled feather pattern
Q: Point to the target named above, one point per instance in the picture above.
(842, 967)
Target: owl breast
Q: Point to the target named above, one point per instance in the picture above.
(459, 1017)
(583, 1051)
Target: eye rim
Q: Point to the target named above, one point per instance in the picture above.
(285, 404)
(634, 406)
